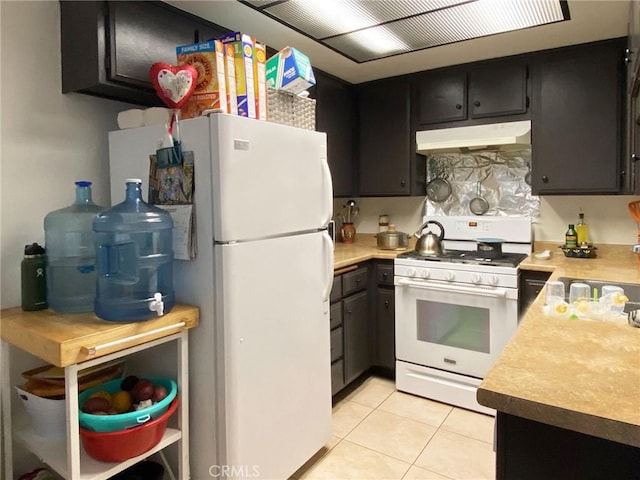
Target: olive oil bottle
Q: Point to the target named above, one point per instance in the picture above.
(582, 231)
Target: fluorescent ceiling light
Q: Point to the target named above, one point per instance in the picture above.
(365, 30)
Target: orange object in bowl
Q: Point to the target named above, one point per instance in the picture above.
(125, 444)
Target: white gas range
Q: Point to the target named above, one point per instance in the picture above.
(455, 312)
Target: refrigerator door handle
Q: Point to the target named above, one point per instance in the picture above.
(328, 190)
(328, 260)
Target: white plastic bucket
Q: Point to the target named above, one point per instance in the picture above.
(48, 416)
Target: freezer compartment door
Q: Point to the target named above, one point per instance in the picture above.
(275, 329)
(268, 179)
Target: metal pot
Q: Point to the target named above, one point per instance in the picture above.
(392, 240)
(429, 244)
(489, 247)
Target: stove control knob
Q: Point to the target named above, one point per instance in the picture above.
(425, 273)
(449, 276)
(475, 278)
(493, 280)
(411, 272)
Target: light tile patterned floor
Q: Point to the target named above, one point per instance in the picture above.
(380, 433)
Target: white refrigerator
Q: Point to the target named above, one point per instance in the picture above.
(259, 362)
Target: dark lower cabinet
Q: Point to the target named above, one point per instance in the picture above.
(384, 308)
(530, 450)
(350, 326)
(530, 284)
(385, 322)
(108, 47)
(356, 336)
(577, 119)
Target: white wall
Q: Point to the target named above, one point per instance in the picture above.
(607, 215)
(49, 140)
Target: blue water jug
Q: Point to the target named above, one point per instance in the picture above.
(134, 259)
(68, 236)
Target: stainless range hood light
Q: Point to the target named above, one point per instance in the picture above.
(495, 136)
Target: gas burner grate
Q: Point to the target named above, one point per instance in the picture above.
(468, 257)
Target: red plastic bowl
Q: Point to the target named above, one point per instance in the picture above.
(125, 444)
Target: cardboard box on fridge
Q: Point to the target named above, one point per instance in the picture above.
(290, 70)
(210, 92)
(260, 79)
(243, 63)
(230, 77)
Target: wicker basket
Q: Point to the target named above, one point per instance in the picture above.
(292, 110)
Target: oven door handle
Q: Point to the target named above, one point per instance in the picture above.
(494, 292)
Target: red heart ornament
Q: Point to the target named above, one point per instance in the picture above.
(174, 85)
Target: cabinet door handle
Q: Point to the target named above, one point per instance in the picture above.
(458, 106)
(386, 303)
(385, 275)
(348, 312)
(545, 179)
(357, 281)
(476, 103)
(403, 183)
(627, 55)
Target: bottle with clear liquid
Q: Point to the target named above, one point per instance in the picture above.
(71, 272)
(582, 231)
(134, 259)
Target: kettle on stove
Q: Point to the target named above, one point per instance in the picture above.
(429, 244)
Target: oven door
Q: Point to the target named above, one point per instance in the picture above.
(453, 327)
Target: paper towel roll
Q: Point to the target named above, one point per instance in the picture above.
(130, 119)
(156, 116)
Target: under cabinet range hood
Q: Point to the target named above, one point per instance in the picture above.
(493, 136)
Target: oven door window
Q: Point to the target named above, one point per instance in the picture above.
(459, 326)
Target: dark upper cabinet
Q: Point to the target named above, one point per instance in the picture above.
(335, 115)
(441, 96)
(495, 91)
(387, 159)
(577, 120)
(476, 91)
(108, 47)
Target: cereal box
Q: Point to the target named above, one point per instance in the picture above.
(210, 92)
(290, 70)
(230, 77)
(260, 79)
(243, 62)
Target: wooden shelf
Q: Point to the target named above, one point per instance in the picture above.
(66, 339)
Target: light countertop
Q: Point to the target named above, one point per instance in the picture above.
(580, 375)
(363, 249)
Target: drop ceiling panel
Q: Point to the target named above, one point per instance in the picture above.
(369, 30)
(346, 16)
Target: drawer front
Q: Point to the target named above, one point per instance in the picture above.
(336, 290)
(335, 315)
(337, 377)
(354, 281)
(384, 274)
(336, 344)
